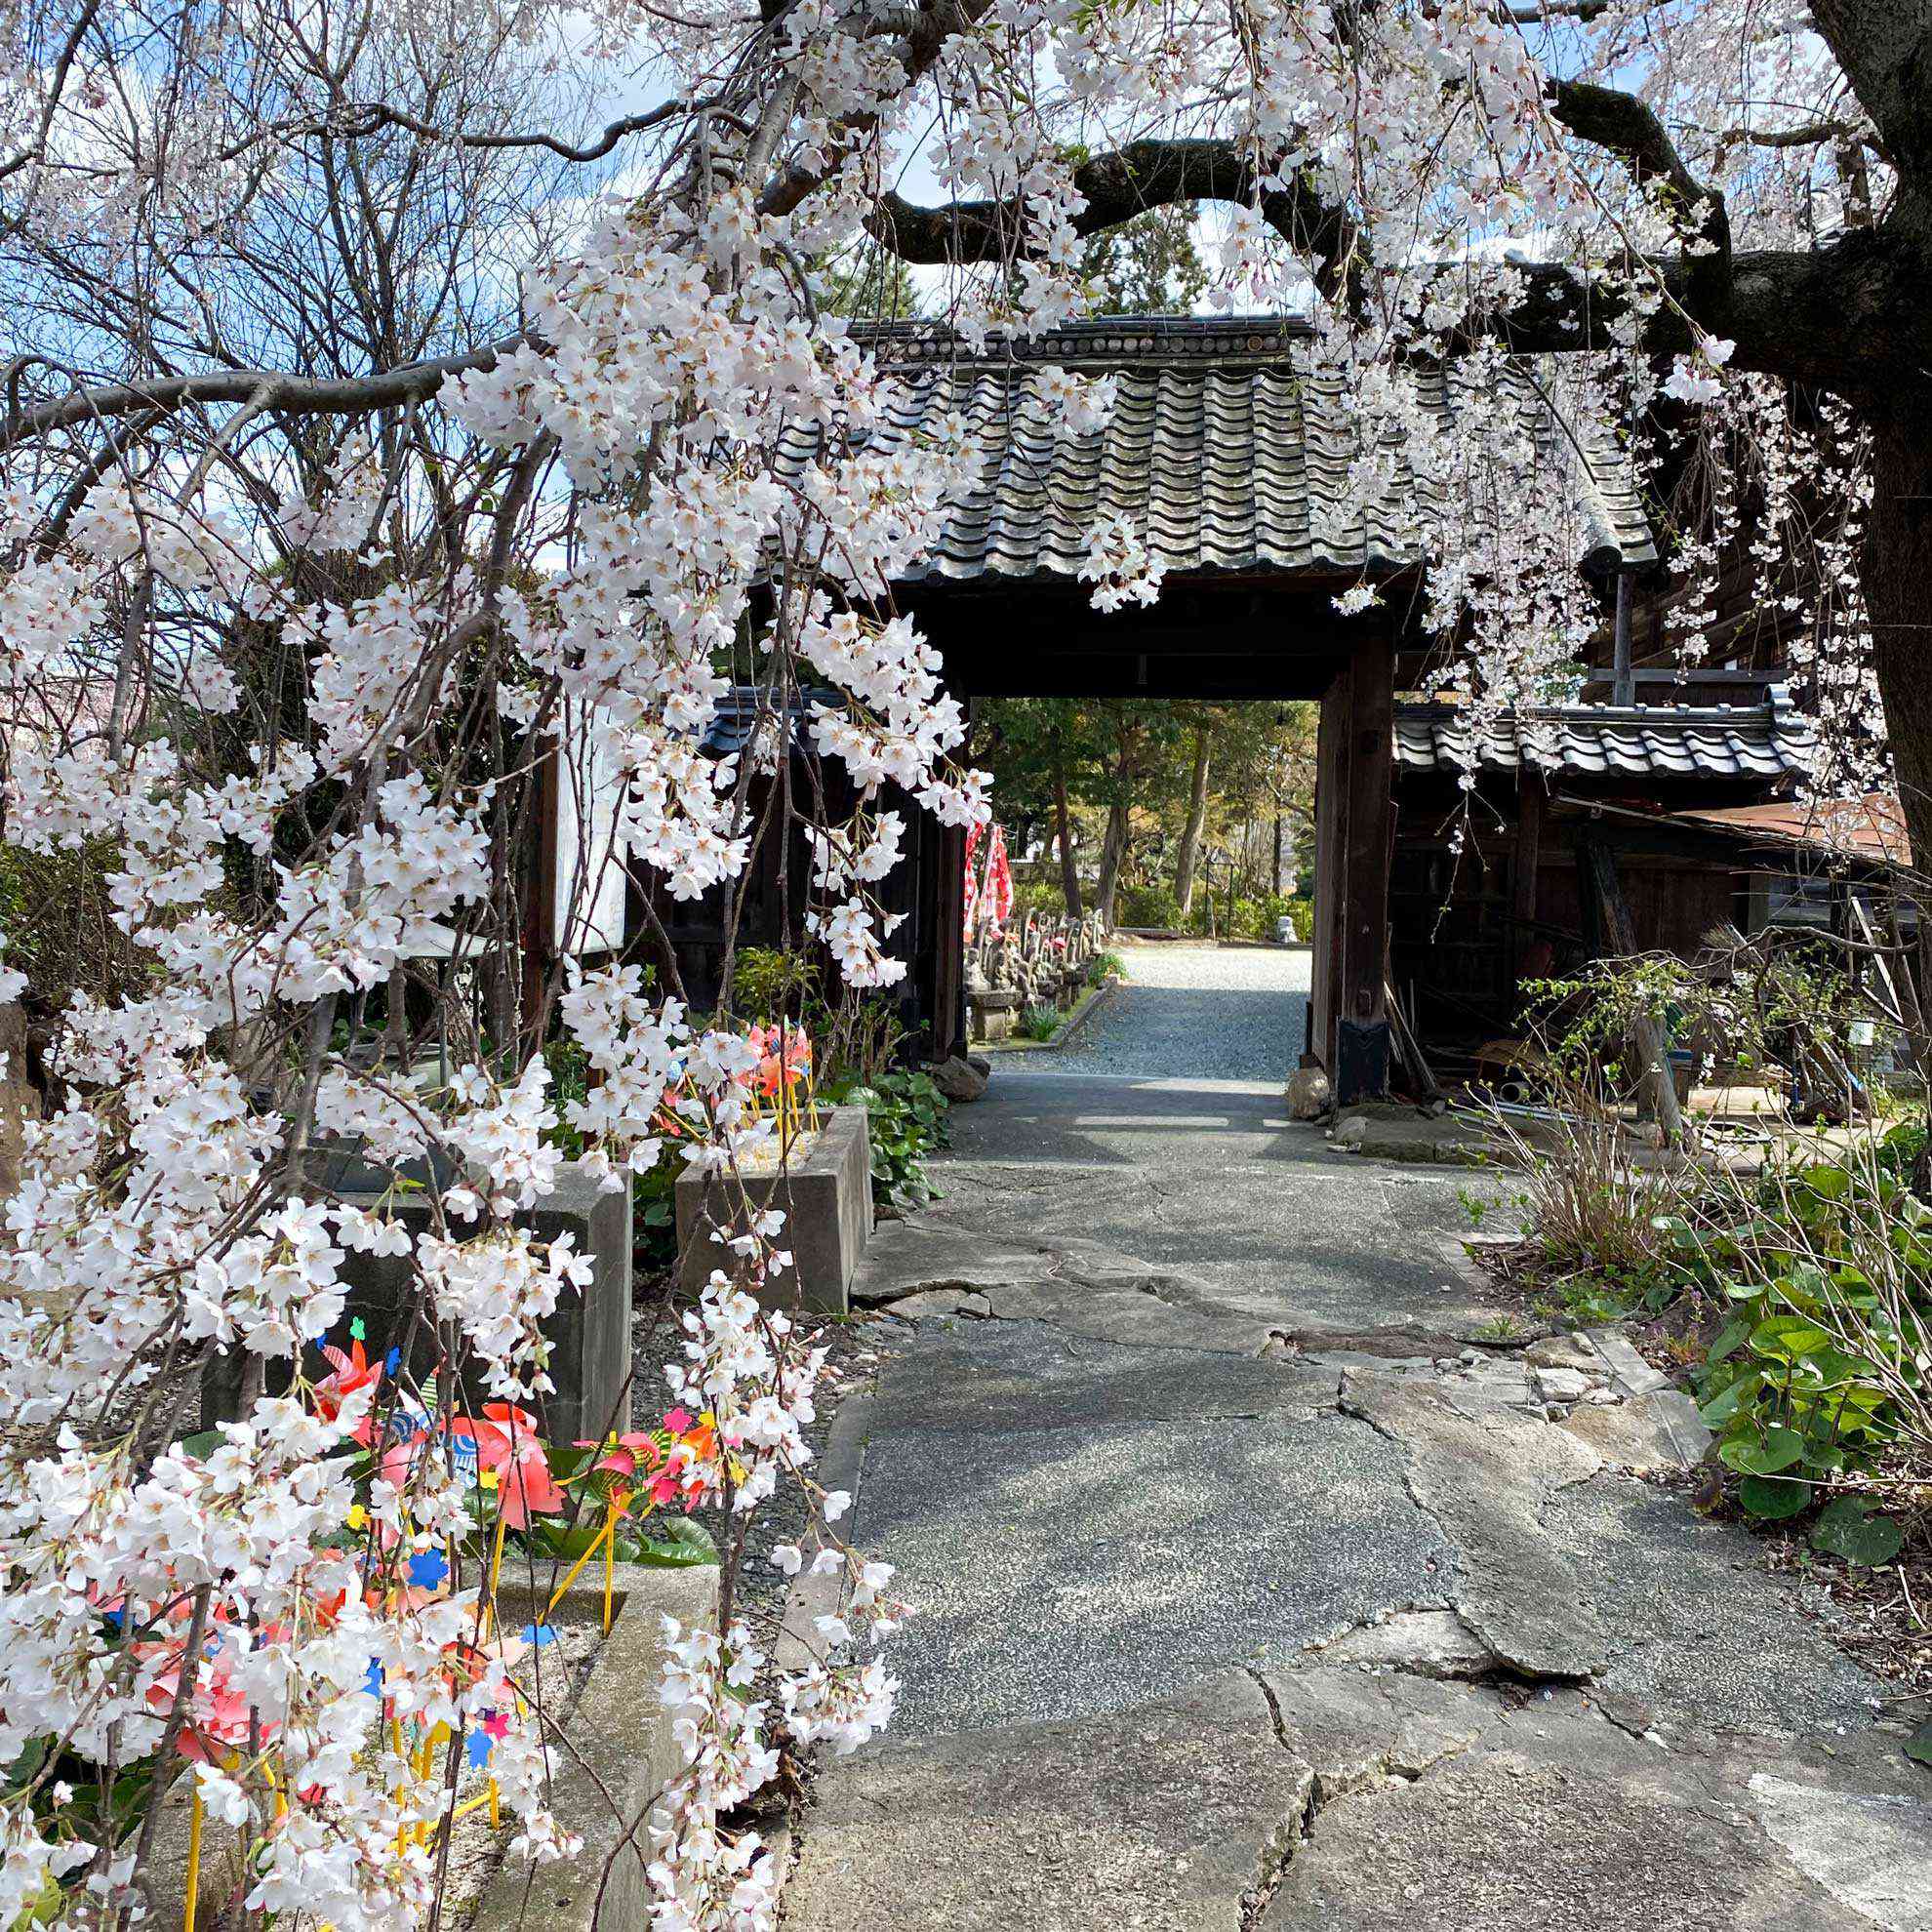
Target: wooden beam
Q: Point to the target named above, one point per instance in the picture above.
(1532, 808)
(1331, 804)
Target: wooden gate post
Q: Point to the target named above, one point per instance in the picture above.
(1331, 836)
(1360, 1070)
(1354, 816)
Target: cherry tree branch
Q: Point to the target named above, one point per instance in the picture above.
(286, 394)
(371, 117)
(1884, 48)
(1627, 127)
(1117, 187)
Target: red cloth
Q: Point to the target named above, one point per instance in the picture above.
(970, 909)
(998, 887)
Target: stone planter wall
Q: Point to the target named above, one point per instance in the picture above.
(621, 1755)
(827, 1196)
(992, 1016)
(589, 1334)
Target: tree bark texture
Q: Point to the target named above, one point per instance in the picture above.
(1190, 837)
(1112, 852)
(1898, 598)
(1062, 837)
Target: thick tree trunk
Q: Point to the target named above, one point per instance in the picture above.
(1062, 837)
(1190, 837)
(1897, 598)
(1112, 851)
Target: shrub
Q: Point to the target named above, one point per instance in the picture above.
(1104, 966)
(1809, 1283)
(56, 911)
(1040, 1021)
(768, 985)
(906, 1121)
(858, 1043)
(1153, 906)
(1822, 1364)
(1041, 895)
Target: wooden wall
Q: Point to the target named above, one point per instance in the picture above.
(1467, 925)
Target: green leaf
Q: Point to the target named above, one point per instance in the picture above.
(1726, 1403)
(1771, 1499)
(26, 1767)
(1919, 1746)
(1789, 1337)
(46, 1906)
(1830, 1184)
(1764, 1455)
(679, 1543)
(1844, 1529)
(1835, 1366)
(1728, 1339)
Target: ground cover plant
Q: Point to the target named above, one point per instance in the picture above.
(1798, 1283)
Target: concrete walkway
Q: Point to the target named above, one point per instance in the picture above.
(1261, 1587)
(1194, 1013)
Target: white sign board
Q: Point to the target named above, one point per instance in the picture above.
(588, 896)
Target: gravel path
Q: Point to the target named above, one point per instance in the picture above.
(1192, 1013)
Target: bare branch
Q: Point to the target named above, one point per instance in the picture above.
(57, 87)
(368, 118)
(289, 395)
(1885, 48)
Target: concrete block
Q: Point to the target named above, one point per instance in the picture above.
(622, 1754)
(589, 1334)
(827, 1197)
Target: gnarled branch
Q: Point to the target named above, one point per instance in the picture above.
(1117, 187)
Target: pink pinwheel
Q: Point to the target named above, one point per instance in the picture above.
(507, 1445)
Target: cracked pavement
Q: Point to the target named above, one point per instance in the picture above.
(1259, 1592)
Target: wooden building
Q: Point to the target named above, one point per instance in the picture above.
(1231, 458)
(1499, 879)
(1453, 860)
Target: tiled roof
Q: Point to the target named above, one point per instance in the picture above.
(744, 707)
(1769, 741)
(1223, 448)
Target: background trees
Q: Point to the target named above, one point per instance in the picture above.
(1160, 800)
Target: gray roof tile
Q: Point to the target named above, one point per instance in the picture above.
(1769, 741)
(1225, 452)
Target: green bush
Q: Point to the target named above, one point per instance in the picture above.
(1041, 895)
(1040, 1021)
(1104, 966)
(907, 1120)
(654, 1212)
(1821, 1364)
(1147, 905)
(768, 985)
